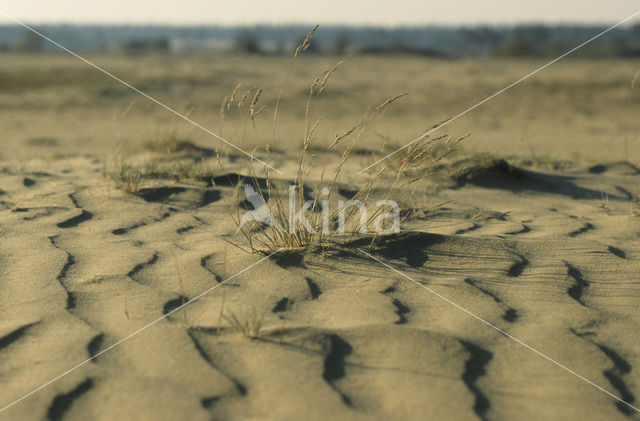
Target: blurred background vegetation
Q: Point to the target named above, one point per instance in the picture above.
(434, 41)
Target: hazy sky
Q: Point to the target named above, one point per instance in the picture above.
(399, 12)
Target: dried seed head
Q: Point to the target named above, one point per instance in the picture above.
(244, 98)
(256, 98)
(389, 101)
(309, 138)
(325, 77)
(233, 96)
(305, 43)
(259, 110)
(314, 85)
(461, 138)
(440, 123)
(224, 104)
(339, 138)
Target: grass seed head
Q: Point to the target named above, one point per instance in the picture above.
(390, 101)
(305, 43)
(233, 96)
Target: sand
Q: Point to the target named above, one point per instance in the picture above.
(537, 241)
(548, 257)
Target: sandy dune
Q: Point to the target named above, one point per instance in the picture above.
(542, 245)
(548, 257)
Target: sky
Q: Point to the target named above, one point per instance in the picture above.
(353, 12)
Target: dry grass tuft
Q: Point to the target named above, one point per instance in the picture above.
(278, 230)
(319, 216)
(249, 325)
(289, 234)
(127, 178)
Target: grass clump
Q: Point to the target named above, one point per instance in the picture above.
(127, 178)
(285, 229)
(130, 178)
(288, 220)
(249, 325)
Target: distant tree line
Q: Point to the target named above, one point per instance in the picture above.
(477, 41)
(484, 41)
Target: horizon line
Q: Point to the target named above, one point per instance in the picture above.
(326, 24)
